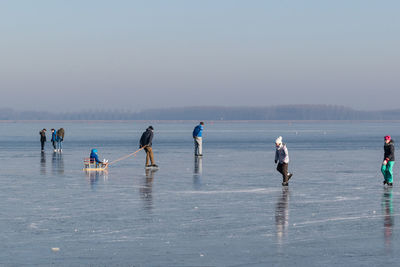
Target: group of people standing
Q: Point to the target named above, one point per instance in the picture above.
(57, 137)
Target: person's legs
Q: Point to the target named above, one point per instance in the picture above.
(279, 167)
(151, 156)
(60, 145)
(42, 144)
(200, 145)
(282, 168)
(196, 147)
(389, 171)
(54, 144)
(147, 156)
(383, 170)
(285, 172)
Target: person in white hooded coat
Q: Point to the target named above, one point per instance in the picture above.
(282, 158)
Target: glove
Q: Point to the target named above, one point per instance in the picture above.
(384, 162)
(276, 161)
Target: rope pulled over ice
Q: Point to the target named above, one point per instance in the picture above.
(127, 156)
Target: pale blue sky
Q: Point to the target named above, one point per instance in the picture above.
(73, 55)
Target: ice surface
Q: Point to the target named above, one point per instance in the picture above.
(225, 209)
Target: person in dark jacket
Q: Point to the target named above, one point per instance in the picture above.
(60, 138)
(388, 161)
(282, 158)
(42, 138)
(146, 143)
(53, 139)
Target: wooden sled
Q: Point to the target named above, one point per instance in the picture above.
(91, 165)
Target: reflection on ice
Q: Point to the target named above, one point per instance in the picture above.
(388, 219)
(93, 177)
(282, 215)
(57, 163)
(198, 168)
(147, 188)
(42, 163)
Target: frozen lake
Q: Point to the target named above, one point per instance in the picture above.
(227, 209)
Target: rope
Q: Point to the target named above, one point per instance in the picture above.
(127, 156)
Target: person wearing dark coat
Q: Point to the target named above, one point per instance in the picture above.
(146, 143)
(388, 161)
(42, 138)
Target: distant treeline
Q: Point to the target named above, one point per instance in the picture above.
(287, 112)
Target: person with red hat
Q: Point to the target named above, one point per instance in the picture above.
(388, 161)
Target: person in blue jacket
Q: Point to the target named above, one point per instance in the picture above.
(54, 139)
(198, 139)
(94, 158)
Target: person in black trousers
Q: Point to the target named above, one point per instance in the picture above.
(42, 138)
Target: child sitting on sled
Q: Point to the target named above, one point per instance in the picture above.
(94, 158)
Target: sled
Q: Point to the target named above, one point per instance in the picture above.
(91, 165)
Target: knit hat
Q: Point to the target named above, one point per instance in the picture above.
(150, 127)
(387, 137)
(278, 140)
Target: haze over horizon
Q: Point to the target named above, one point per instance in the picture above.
(77, 55)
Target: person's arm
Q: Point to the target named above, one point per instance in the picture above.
(286, 152)
(276, 156)
(96, 157)
(141, 141)
(150, 138)
(391, 154)
(196, 131)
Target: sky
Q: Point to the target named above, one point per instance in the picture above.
(72, 55)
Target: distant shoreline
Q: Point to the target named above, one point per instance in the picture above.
(208, 121)
(211, 113)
